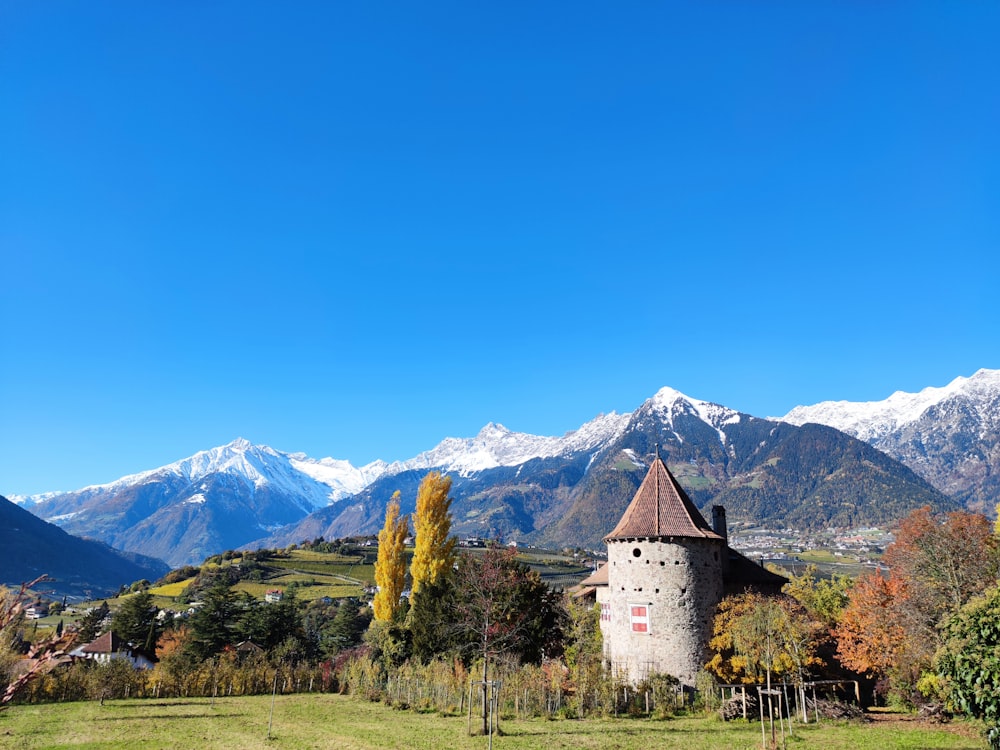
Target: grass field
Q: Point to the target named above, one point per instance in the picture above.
(335, 589)
(346, 723)
(171, 590)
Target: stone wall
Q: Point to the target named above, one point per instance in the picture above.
(658, 609)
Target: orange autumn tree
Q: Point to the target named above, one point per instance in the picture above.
(892, 627)
(943, 561)
(870, 639)
(390, 566)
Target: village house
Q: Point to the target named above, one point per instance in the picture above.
(109, 646)
(37, 610)
(667, 571)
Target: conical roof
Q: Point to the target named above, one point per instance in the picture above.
(661, 508)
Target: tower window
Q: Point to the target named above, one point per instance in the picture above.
(636, 552)
(639, 617)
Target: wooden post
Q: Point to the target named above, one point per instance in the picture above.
(470, 707)
(763, 734)
(788, 708)
(274, 690)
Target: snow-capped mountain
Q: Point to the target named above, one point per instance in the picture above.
(949, 435)
(211, 501)
(571, 490)
(228, 496)
(560, 490)
(314, 482)
(496, 446)
(669, 405)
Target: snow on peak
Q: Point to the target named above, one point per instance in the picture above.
(495, 445)
(668, 396)
(669, 402)
(872, 420)
(315, 482)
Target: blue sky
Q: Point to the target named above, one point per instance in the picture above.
(354, 229)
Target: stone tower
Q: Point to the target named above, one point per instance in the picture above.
(665, 578)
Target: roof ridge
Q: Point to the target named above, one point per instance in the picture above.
(661, 508)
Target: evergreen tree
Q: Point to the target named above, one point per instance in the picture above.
(89, 626)
(135, 621)
(348, 626)
(431, 620)
(390, 567)
(270, 624)
(211, 624)
(434, 551)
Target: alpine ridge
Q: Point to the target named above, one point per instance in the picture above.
(949, 435)
(78, 568)
(560, 491)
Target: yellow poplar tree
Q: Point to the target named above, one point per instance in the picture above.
(434, 551)
(390, 566)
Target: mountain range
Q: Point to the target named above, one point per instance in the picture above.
(835, 463)
(79, 568)
(950, 435)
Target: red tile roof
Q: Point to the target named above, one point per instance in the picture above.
(598, 578)
(661, 508)
(108, 643)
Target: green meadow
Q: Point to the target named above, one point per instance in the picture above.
(348, 723)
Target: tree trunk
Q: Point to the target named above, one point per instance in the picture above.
(486, 691)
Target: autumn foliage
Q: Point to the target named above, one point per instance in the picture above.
(434, 550)
(390, 566)
(43, 655)
(756, 637)
(944, 562)
(870, 639)
(894, 625)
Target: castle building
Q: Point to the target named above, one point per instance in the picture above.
(667, 571)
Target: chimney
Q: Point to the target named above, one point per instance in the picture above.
(719, 522)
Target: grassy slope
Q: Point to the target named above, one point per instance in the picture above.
(319, 720)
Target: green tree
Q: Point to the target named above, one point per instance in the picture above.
(390, 642)
(348, 626)
(824, 598)
(431, 619)
(584, 653)
(969, 662)
(390, 566)
(212, 623)
(755, 637)
(135, 621)
(89, 626)
(434, 550)
(268, 624)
